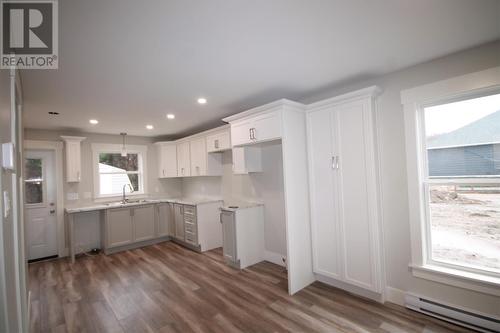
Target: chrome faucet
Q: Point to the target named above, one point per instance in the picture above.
(124, 198)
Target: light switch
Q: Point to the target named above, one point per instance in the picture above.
(8, 155)
(6, 204)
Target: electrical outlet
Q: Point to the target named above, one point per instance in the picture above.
(71, 196)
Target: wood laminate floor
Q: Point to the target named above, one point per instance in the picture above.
(167, 288)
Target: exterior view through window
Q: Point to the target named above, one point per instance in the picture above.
(463, 182)
(33, 184)
(116, 171)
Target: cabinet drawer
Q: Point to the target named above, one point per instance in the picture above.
(190, 210)
(191, 238)
(190, 227)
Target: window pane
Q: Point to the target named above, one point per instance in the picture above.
(465, 225)
(116, 163)
(33, 168)
(463, 138)
(113, 183)
(33, 192)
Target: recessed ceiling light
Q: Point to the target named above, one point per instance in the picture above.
(171, 116)
(149, 127)
(93, 121)
(202, 100)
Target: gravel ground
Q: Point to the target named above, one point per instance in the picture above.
(466, 227)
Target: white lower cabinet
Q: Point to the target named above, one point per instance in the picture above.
(344, 193)
(128, 225)
(144, 223)
(179, 221)
(166, 224)
(119, 227)
(243, 236)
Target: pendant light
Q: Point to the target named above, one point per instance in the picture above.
(124, 149)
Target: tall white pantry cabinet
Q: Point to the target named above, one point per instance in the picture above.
(344, 189)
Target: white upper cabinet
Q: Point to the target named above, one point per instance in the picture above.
(219, 141)
(183, 159)
(198, 157)
(203, 163)
(262, 127)
(344, 190)
(167, 159)
(73, 158)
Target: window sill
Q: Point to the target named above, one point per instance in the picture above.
(467, 280)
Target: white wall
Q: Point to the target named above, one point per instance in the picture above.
(396, 226)
(266, 187)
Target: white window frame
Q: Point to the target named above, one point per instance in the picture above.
(414, 101)
(99, 148)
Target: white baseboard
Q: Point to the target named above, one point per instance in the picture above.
(394, 295)
(274, 257)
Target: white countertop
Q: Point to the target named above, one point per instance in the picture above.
(117, 204)
(232, 207)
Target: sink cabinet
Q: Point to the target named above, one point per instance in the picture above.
(119, 227)
(127, 225)
(143, 218)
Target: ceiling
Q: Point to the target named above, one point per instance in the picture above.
(127, 63)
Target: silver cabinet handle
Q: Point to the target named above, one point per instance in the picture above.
(216, 144)
(334, 158)
(337, 165)
(250, 130)
(254, 131)
(220, 217)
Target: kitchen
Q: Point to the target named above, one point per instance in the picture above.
(268, 166)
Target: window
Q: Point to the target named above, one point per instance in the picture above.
(113, 172)
(33, 184)
(462, 182)
(452, 135)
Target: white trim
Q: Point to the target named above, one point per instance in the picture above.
(414, 100)
(275, 258)
(116, 148)
(459, 278)
(395, 295)
(265, 108)
(368, 92)
(57, 147)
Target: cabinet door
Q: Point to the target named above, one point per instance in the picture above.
(144, 222)
(241, 133)
(179, 221)
(198, 155)
(267, 127)
(183, 160)
(247, 159)
(165, 219)
(219, 141)
(229, 249)
(323, 184)
(119, 227)
(357, 194)
(167, 161)
(73, 161)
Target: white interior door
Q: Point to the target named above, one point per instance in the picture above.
(40, 203)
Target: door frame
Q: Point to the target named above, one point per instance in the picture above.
(57, 148)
